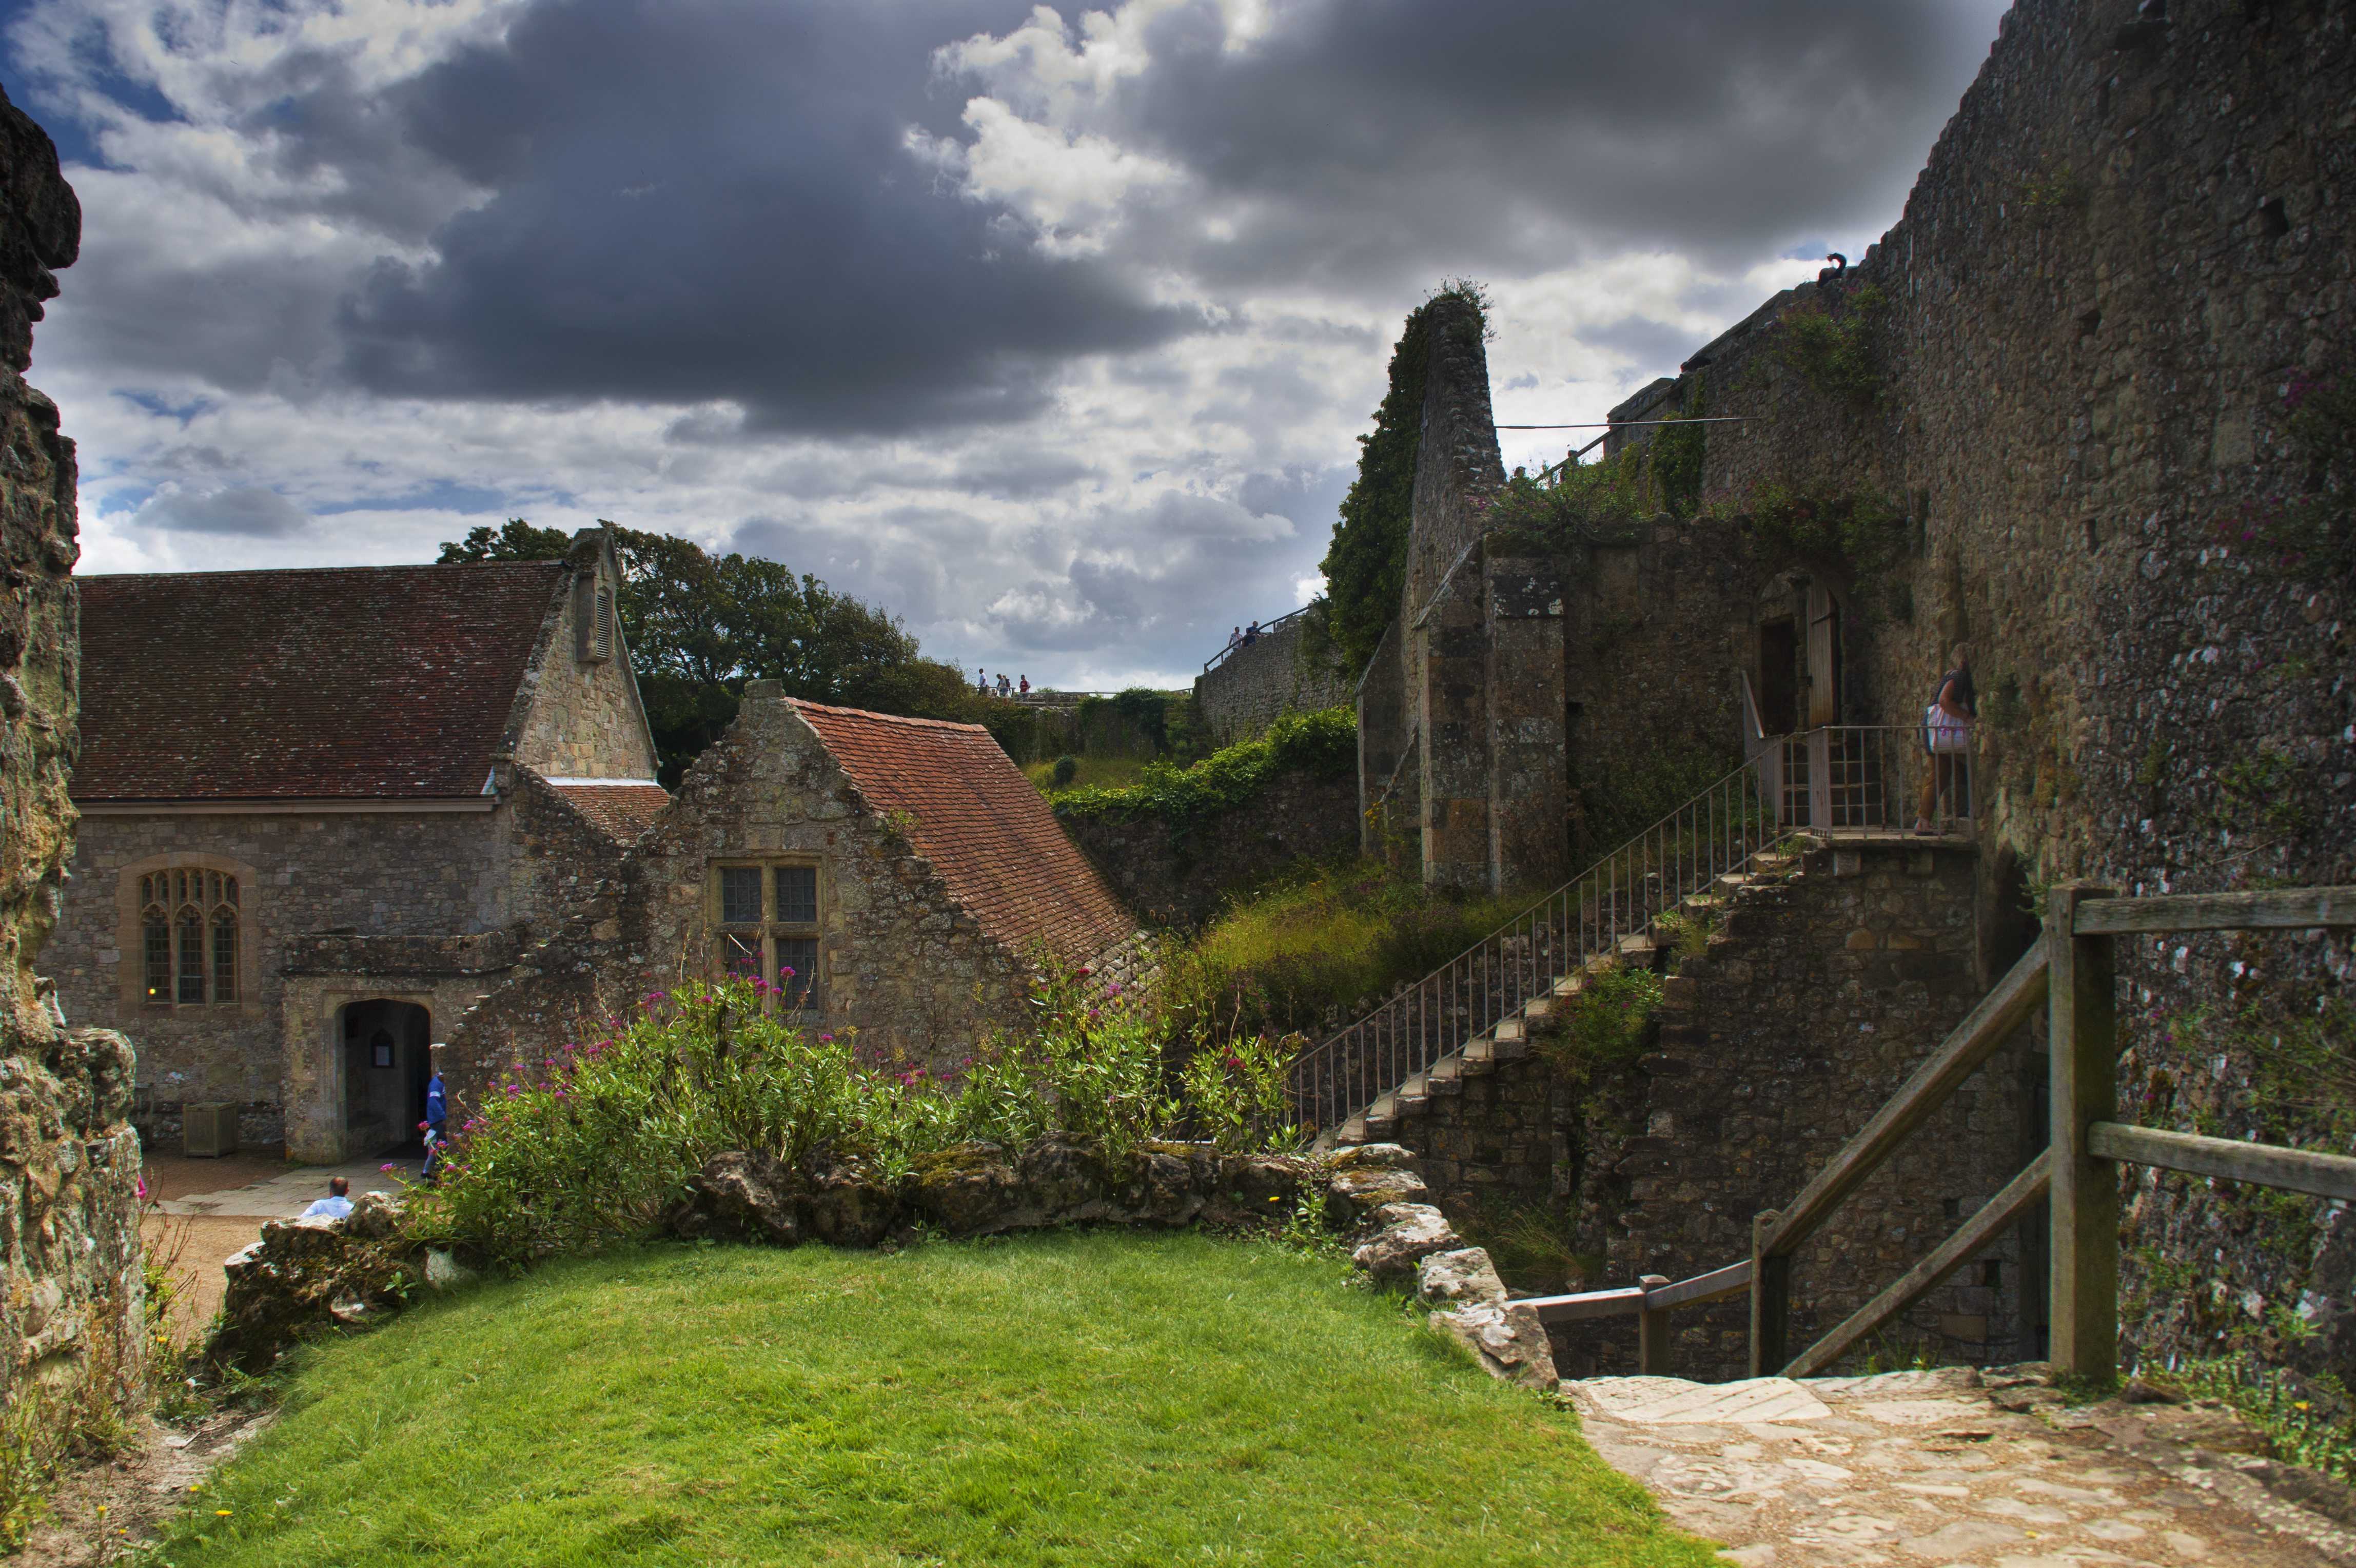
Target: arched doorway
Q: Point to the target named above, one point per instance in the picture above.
(386, 1064)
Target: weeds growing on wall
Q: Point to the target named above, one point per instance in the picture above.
(1607, 1023)
(2311, 530)
(1829, 345)
(1324, 744)
(585, 1148)
(1611, 805)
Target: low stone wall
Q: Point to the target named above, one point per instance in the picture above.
(306, 1276)
(1178, 877)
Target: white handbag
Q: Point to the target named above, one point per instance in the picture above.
(1943, 732)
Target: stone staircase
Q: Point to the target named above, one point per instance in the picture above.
(1509, 1038)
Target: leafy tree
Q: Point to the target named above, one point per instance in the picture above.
(698, 626)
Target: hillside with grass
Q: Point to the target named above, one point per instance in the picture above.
(1074, 1398)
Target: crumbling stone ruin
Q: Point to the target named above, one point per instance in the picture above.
(2076, 407)
(71, 1287)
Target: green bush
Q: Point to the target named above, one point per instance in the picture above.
(1610, 1022)
(1830, 346)
(585, 1148)
(1324, 744)
(1066, 769)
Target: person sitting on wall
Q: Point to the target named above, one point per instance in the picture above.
(1949, 772)
(335, 1205)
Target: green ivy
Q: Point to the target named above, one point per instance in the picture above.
(1323, 743)
(1818, 521)
(1365, 564)
(1829, 346)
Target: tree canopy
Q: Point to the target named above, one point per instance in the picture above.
(698, 626)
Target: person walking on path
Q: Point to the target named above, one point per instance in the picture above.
(335, 1205)
(1027, 685)
(1946, 731)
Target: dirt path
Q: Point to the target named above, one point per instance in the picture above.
(1931, 1470)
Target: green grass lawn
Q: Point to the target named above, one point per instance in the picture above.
(1090, 1397)
(1095, 773)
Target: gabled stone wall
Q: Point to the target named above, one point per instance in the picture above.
(1258, 684)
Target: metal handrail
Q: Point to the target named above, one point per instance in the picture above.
(1215, 660)
(1487, 993)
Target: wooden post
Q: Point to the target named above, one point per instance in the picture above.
(2083, 1036)
(1771, 1300)
(1653, 1332)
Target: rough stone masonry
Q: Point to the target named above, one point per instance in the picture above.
(70, 1288)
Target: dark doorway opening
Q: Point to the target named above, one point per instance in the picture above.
(386, 1064)
(1779, 676)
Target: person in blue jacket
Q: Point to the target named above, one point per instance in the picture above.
(437, 1114)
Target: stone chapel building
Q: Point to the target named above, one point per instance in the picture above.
(323, 810)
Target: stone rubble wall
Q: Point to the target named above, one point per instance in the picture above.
(1254, 686)
(1822, 992)
(575, 719)
(70, 1285)
(1178, 877)
(2125, 249)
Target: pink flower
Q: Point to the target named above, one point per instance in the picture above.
(143, 1189)
(387, 1167)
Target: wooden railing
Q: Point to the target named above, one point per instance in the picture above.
(2071, 973)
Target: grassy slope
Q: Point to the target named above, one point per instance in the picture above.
(1095, 773)
(1073, 1398)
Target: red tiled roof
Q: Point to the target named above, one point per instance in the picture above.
(987, 830)
(623, 811)
(366, 681)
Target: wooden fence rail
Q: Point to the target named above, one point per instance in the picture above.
(2072, 972)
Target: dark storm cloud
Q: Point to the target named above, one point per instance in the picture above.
(716, 200)
(1646, 342)
(256, 514)
(1364, 144)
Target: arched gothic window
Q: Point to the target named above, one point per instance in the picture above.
(188, 936)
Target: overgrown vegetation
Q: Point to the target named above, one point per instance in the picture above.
(1068, 1398)
(1817, 520)
(1607, 1024)
(1828, 343)
(1324, 744)
(586, 1148)
(698, 626)
(1611, 806)
(1312, 952)
(2299, 1426)
(1365, 564)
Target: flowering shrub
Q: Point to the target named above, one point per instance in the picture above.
(1234, 1091)
(588, 1146)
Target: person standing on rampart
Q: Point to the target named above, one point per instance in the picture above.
(1947, 732)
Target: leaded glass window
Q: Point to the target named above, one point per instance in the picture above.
(188, 936)
(768, 927)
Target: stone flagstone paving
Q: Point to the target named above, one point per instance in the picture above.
(1933, 1470)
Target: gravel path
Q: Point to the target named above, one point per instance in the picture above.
(1951, 1470)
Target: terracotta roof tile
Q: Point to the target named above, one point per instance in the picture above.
(350, 681)
(623, 811)
(986, 830)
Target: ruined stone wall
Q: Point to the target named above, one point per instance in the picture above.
(1823, 993)
(71, 1287)
(1658, 629)
(2127, 247)
(1178, 877)
(1492, 1145)
(902, 962)
(1254, 686)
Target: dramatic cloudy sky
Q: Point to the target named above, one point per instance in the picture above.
(1051, 331)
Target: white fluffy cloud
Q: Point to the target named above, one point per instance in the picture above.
(1051, 335)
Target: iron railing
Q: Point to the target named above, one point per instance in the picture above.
(1490, 986)
(1240, 643)
(1865, 778)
